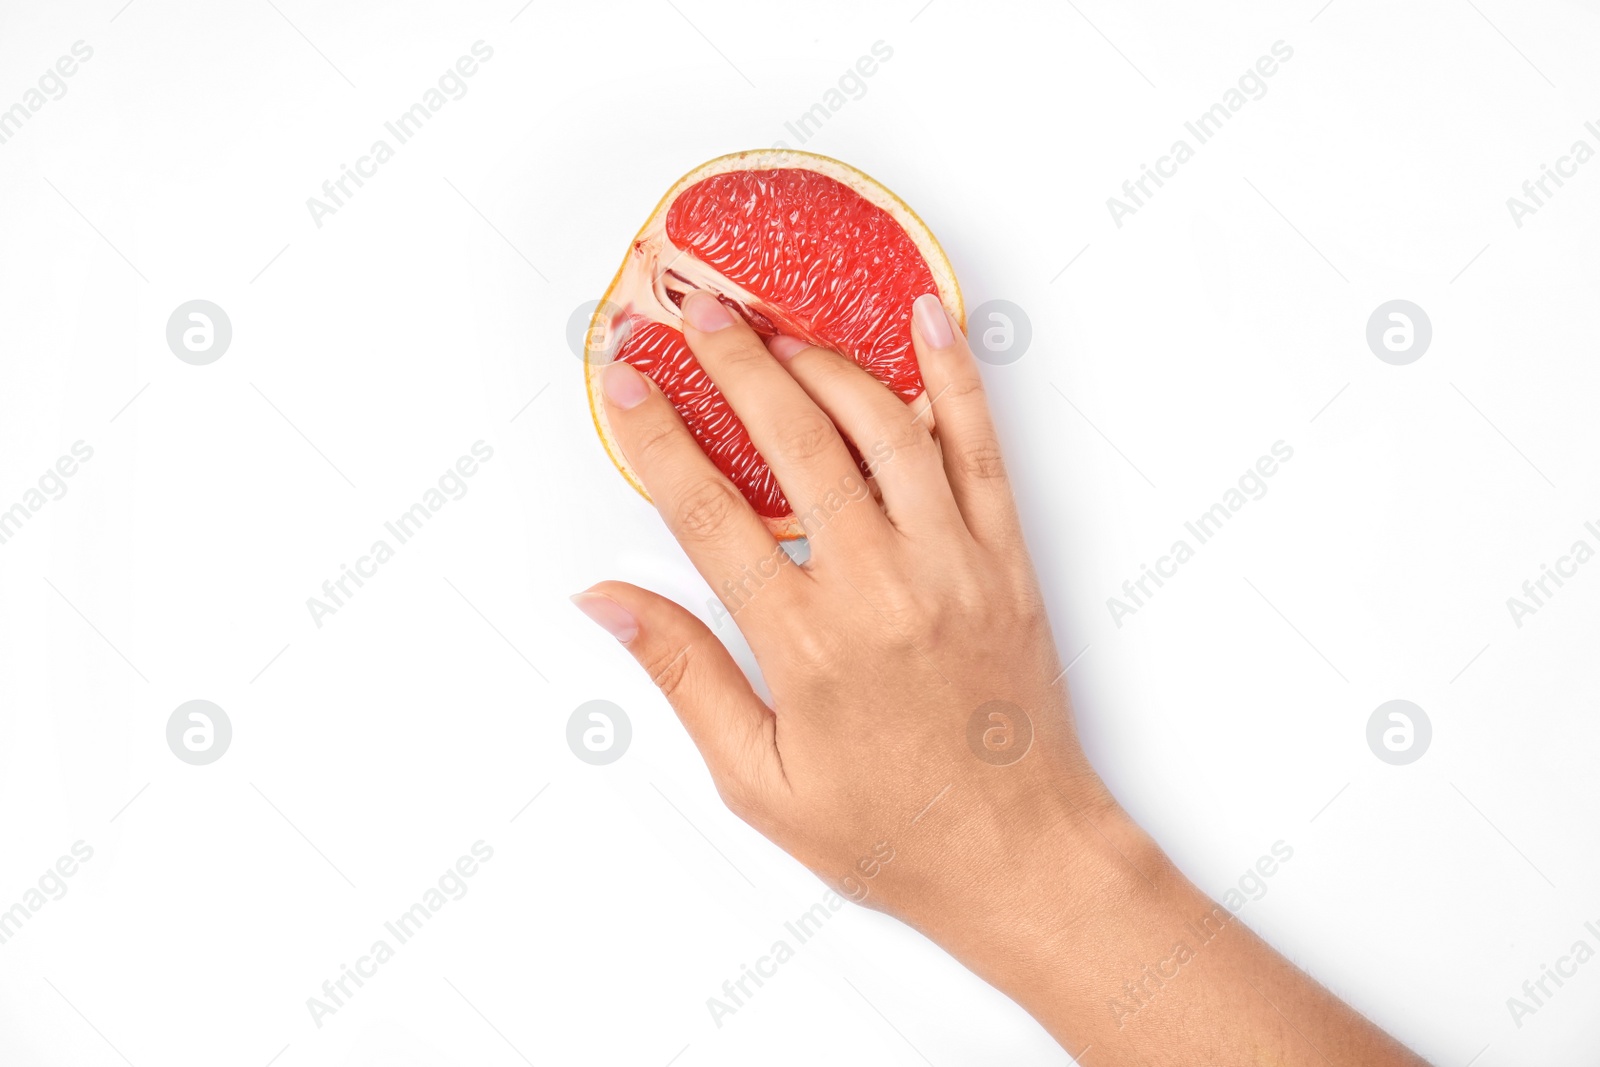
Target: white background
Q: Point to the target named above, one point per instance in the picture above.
(368, 754)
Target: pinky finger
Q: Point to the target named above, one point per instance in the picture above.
(962, 422)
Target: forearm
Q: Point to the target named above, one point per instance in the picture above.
(1098, 936)
(919, 751)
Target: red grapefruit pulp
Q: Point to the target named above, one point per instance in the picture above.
(795, 243)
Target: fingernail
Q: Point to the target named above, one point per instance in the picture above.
(624, 386)
(784, 347)
(610, 616)
(705, 312)
(927, 314)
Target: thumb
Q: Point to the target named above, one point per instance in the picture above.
(735, 732)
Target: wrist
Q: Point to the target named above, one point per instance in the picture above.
(1081, 902)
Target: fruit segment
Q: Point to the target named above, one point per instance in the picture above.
(840, 269)
(661, 352)
(826, 257)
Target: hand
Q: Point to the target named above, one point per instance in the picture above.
(919, 753)
(911, 622)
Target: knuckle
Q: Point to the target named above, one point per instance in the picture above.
(966, 387)
(736, 353)
(807, 438)
(834, 374)
(906, 434)
(927, 619)
(705, 509)
(753, 353)
(668, 668)
(982, 461)
(933, 615)
(654, 442)
(974, 598)
(816, 646)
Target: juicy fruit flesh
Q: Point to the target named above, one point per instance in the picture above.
(794, 252)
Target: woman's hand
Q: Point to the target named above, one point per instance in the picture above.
(919, 753)
(911, 621)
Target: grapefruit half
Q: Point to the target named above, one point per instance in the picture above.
(793, 242)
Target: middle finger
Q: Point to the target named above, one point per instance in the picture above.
(819, 477)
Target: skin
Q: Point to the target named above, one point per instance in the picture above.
(912, 616)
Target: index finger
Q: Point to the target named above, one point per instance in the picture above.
(723, 536)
